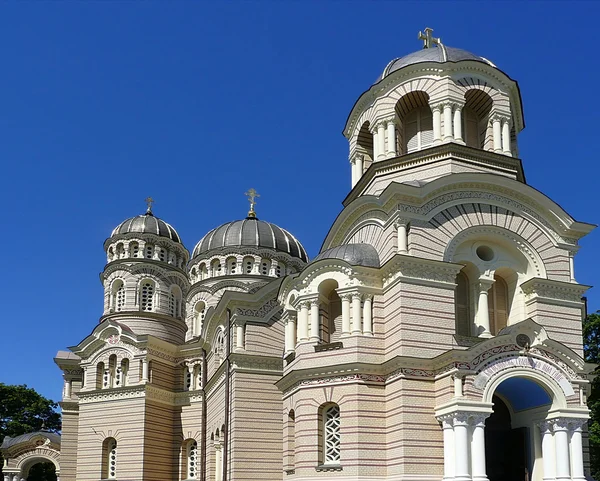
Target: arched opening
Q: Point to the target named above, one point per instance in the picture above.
(202, 272)
(512, 438)
(265, 267)
(231, 265)
(109, 456)
(248, 264)
(39, 469)
(416, 120)
(475, 116)
(117, 297)
(462, 304)
(330, 311)
(364, 146)
(175, 302)
(147, 289)
(199, 312)
(329, 434)
(498, 305)
(191, 461)
(215, 268)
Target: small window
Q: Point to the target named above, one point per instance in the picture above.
(109, 470)
(149, 251)
(462, 302)
(231, 266)
(331, 434)
(199, 313)
(219, 344)
(265, 267)
(192, 459)
(117, 300)
(248, 265)
(134, 248)
(162, 254)
(188, 379)
(147, 296)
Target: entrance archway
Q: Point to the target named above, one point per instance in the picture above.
(512, 440)
(39, 470)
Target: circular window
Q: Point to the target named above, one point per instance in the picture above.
(485, 253)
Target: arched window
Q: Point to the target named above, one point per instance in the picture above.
(191, 459)
(175, 302)
(188, 379)
(101, 380)
(475, 115)
(147, 295)
(498, 305)
(364, 147)
(109, 454)
(219, 345)
(120, 251)
(112, 371)
(117, 297)
(111, 254)
(202, 272)
(231, 265)
(199, 313)
(471, 128)
(418, 129)
(330, 434)
(121, 373)
(162, 254)
(216, 267)
(330, 310)
(291, 439)
(280, 270)
(462, 305)
(248, 265)
(149, 251)
(198, 376)
(265, 267)
(134, 249)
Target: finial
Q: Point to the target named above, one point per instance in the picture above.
(149, 201)
(428, 39)
(252, 195)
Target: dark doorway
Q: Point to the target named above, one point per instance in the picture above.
(505, 447)
(42, 472)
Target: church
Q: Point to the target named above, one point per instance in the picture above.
(436, 336)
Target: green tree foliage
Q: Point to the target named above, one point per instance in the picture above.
(23, 410)
(591, 348)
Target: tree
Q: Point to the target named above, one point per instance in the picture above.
(23, 410)
(591, 349)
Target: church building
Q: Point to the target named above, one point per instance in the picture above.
(436, 336)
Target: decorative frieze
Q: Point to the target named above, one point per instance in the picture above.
(555, 290)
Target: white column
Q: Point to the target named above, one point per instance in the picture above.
(7, 477)
(315, 324)
(380, 141)
(448, 122)
(353, 171)
(67, 388)
(449, 448)
(218, 463)
(303, 322)
(497, 131)
(345, 313)
(461, 447)
(359, 166)
(356, 314)
(572, 267)
(437, 123)
(478, 448)
(375, 145)
(483, 313)
(506, 137)
(190, 369)
(144, 370)
(458, 124)
(401, 226)
(548, 460)
(391, 139)
(290, 336)
(239, 336)
(561, 445)
(368, 316)
(577, 450)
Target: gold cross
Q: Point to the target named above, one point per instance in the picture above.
(428, 39)
(149, 201)
(252, 195)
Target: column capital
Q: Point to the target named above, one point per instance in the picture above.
(401, 222)
(499, 117)
(576, 424)
(461, 419)
(485, 283)
(560, 424)
(478, 419)
(345, 296)
(357, 294)
(447, 420)
(314, 301)
(546, 427)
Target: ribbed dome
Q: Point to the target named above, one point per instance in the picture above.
(147, 223)
(354, 254)
(251, 232)
(439, 54)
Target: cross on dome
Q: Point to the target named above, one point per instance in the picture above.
(149, 201)
(252, 195)
(428, 39)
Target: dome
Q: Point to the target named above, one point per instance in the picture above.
(147, 223)
(251, 232)
(438, 54)
(354, 254)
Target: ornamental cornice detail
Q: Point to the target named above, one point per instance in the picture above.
(256, 363)
(553, 290)
(160, 354)
(100, 395)
(261, 311)
(417, 268)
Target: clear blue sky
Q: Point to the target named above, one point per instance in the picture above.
(105, 103)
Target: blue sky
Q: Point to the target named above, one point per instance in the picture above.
(105, 103)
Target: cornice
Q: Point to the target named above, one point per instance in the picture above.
(408, 267)
(553, 290)
(256, 363)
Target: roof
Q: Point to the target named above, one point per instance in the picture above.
(147, 223)
(354, 254)
(251, 232)
(23, 438)
(438, 54)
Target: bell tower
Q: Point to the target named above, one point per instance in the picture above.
(436, 111)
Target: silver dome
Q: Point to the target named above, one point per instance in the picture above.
(439, 54)
(354, 254)
(251, 232)
(147, 223)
